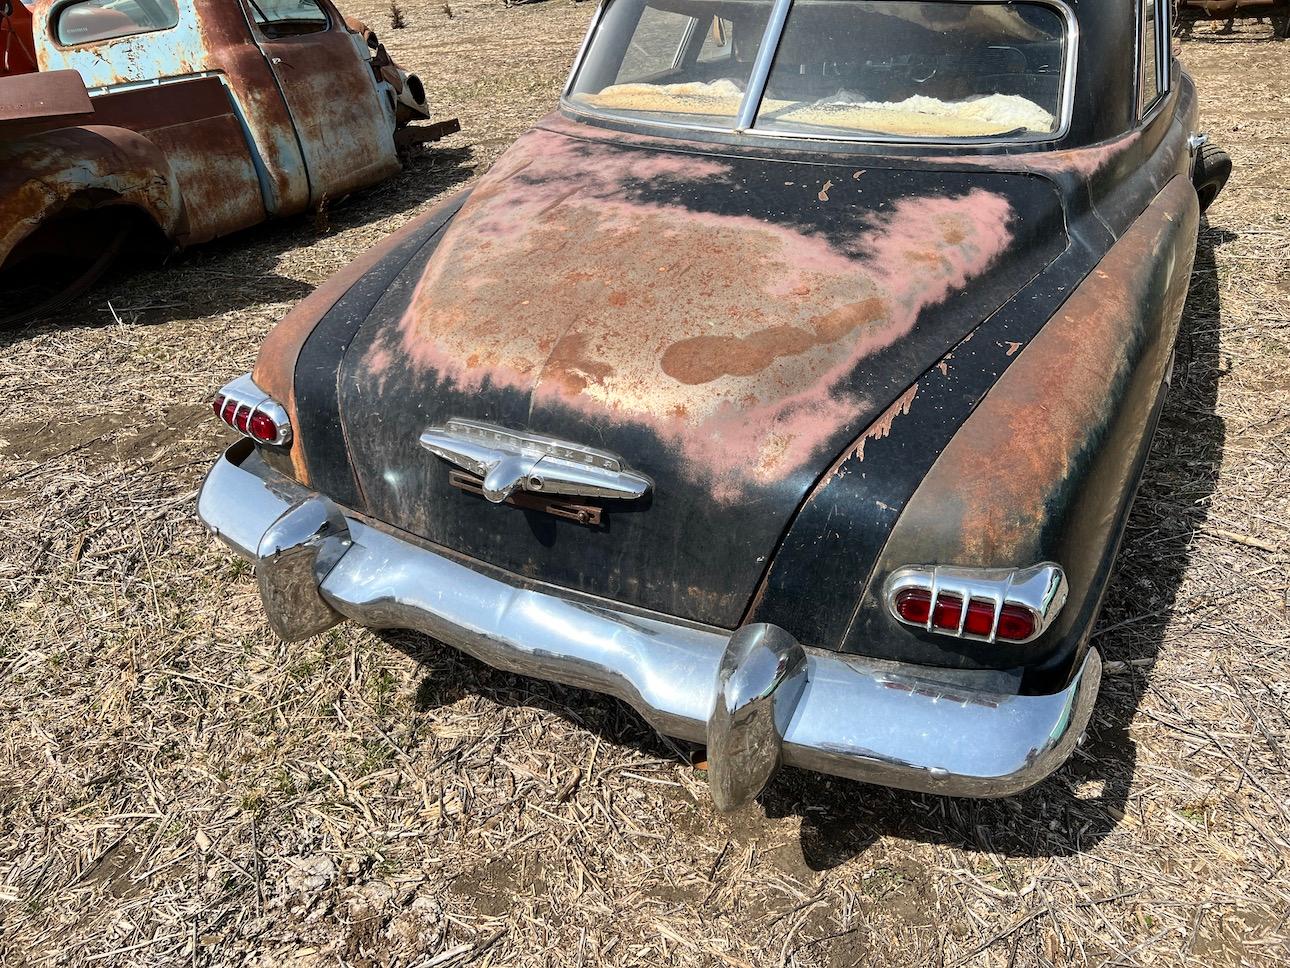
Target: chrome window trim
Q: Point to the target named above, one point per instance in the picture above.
(55, 17)
(596, 15)
(747, 114)
(1164, 57)
(770, 45)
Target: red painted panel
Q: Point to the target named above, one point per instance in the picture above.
(38, 102)
(17, 47)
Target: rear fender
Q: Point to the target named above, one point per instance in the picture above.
(76, 169)
(1046, 467)
(275, 368)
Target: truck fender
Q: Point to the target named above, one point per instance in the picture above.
(81, 168)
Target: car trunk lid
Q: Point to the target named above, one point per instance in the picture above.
(726, 326)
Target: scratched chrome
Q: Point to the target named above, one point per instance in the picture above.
(296, 553)
(508, 459)
(880, 722)
(1041, 590)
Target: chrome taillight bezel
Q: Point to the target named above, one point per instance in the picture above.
(247, 398)
(1040, 589)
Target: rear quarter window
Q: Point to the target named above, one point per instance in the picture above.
(90, 21)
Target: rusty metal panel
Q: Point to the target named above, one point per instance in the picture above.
(35, 102)
(176, 52)
(211, 37)
(195, 125)
(725, 323)
(330, 90)
(275, 368)
(43, 175)
(1046, 466)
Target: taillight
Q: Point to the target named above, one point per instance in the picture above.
(262, 428)
(978, 603)
(250, 411)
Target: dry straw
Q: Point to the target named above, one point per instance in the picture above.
(176, 787)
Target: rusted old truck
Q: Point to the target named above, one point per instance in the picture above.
(126, 121)
(1278, 11)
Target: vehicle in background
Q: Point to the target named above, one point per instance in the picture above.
(1230, 10)
(792, 382)
(123, 121)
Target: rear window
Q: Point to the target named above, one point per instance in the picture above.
(88, 21)
(674, 61)
(288, 18)
(923, 69)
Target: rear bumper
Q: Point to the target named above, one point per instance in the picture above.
(757, 698)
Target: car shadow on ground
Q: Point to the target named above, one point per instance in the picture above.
(239, 271)
(1086, 799)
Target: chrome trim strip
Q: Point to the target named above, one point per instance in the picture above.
(848, 716)
(508, 460)
(1070, 70)
(102, 89)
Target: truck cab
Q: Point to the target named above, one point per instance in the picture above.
(203, 116)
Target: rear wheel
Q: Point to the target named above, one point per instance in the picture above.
(1213, 168)
(62, 259)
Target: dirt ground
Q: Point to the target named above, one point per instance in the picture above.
(178, 787)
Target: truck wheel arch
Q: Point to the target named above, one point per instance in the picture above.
(58, 173)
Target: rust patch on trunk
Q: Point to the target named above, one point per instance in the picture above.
(725, 335)
(702, 359)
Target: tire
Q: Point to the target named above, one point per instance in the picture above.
(1210, 173)
(51, 291)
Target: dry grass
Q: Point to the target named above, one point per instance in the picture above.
(178, 787)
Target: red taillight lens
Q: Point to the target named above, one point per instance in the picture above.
(980, 617)
(262, 428)
(1015, 622)
(249, 410)
(913, 605)
(948, 609)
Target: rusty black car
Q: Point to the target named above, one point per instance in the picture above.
(791, 382)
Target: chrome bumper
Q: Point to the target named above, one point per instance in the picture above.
(756, 697)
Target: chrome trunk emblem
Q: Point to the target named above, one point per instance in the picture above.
(508, 460)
